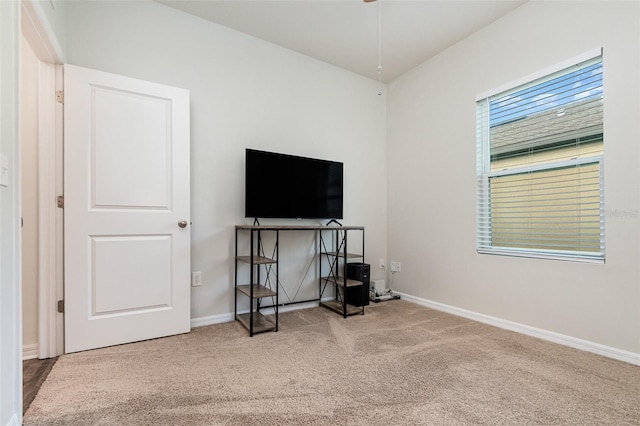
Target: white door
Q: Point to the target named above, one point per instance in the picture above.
(127, 228)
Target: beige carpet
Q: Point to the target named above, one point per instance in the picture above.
(399, 364)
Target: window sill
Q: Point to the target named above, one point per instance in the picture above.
(577, 257)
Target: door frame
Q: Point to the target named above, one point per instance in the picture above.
(50, 217)
(40, 36)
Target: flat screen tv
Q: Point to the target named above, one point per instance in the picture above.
(291, 187)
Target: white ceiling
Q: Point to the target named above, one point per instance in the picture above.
(345, 32)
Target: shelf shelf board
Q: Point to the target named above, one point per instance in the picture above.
(299, 228)
(341, 254)
(258, 290)
(336, 306)
(341, 280)
(261, 323)
(257, 260)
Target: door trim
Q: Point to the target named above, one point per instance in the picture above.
(50, 246)
(41, 37)
(38, 31)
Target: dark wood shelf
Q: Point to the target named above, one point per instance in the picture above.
(258, 290)
(299, 228)
(257, 260)
(341, 255)
(340, 281)
(336, 306)
(261, 323)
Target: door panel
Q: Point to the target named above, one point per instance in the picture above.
(132, 136)
(127, 262)
(145, 282)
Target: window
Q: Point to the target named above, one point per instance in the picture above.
(540, 164)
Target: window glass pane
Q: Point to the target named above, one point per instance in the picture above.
(581, 85)
(550, 154)
(557, 209)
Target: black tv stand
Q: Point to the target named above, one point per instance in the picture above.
(263, 273)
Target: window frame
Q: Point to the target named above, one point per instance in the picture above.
(484, 173)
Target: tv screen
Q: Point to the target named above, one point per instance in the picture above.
(292, 187)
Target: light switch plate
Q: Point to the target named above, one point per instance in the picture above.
(4, 170)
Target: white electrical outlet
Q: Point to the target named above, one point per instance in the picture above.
(395, 266)
(196, 279)
(381, 264)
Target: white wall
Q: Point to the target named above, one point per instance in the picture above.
(10, 301)
(244, 93)
(431, 167)
(29, 173)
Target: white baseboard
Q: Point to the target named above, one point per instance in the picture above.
(294, 307)
(30, 351)
(14, 421)
(217, 319)
(212, 319)
(573, 342)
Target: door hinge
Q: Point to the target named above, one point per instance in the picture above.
(61, 306)
(60, 96)
(61, 201)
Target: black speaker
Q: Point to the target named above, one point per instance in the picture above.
(358, 295)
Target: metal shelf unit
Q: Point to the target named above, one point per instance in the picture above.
(258, 286)
(264, 273)
(337, 258)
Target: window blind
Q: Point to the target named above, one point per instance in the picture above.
(540, 162)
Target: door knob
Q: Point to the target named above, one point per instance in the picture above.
(182, 224)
